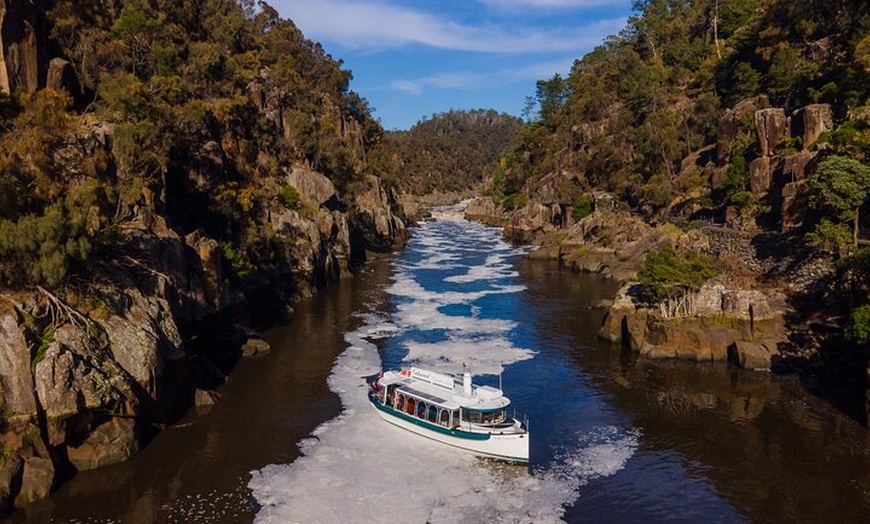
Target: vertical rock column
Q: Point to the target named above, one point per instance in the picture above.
(4, 73)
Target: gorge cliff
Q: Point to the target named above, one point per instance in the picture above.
(208, 169)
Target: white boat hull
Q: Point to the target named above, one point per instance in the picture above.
(512, 447)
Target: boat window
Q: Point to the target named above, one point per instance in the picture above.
(400, 402)
(421, 410)
(471, 416)
(444, 419)
(489, 417)
(493, 417)
(411, 405)
(433, 414)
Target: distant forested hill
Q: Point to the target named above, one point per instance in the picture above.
(452, 151)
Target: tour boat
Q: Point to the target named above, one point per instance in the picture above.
(459, 413)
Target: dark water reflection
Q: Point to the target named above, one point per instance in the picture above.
(760, 443)
(198, 470)
(714, 445)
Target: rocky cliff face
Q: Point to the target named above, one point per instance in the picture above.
(22, 60)
(87, 379)
(85, 386)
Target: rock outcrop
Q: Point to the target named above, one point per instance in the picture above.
(22, 64)
(772, 125)
(811, 121)
(741, 326)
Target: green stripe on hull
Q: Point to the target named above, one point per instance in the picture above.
(428, 425)
(483, 454)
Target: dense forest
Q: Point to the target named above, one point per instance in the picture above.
(751, 114)
(201, 106)
(452, 151)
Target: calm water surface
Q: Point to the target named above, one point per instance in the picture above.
(613, 439)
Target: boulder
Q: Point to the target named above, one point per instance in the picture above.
(312, 186)
(795, 201)
(20, 49)
(486, 210)
(796, 167)
(205, 398)
(752, 355)
(61, 76)
(16, 381)
(255, 346)
(75, 379)
(36, 481)
(811, 121)
(11, 465)
(109, 443)
(624, 323)
(729, 125)
(771, 125)
(759, 175)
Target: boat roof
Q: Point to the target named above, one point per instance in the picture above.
(445, 390)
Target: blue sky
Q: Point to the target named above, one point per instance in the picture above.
(411, 59)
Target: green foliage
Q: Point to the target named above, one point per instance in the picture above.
(290, 197)
(789, 145)
(183, 87)
(45, 341)
(452, 151)
(581, 208)
(238, 261)
(41, 249)
(741, 199)
(665, 272)
(830, 237)
(839, 187)
(514, 201)
(551, 95)
(858, 326)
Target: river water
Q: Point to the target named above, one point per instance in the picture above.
(612, 439)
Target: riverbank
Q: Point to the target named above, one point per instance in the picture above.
(765, 310)
(90, 377)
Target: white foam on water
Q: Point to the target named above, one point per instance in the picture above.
(357, 468)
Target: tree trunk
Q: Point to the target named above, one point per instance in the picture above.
(716, 29)
(855, 228)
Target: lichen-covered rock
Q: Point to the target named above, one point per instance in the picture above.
(759, 175)
(61, 76)
(752, 355)
(76, 378)
(20, 52)
(312, 186)
(795, 201)
(487, 211)
(374, 220)
(111, 442)
(16, 382)
(729, 125)
(528, 221)
(771, 126)
(722, 316)
(811, 121)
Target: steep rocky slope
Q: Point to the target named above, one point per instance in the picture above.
(134, 244)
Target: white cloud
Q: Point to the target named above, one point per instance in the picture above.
(474, 80)
(577, 4)
(368, 24)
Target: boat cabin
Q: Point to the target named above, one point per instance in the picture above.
(443, 400)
